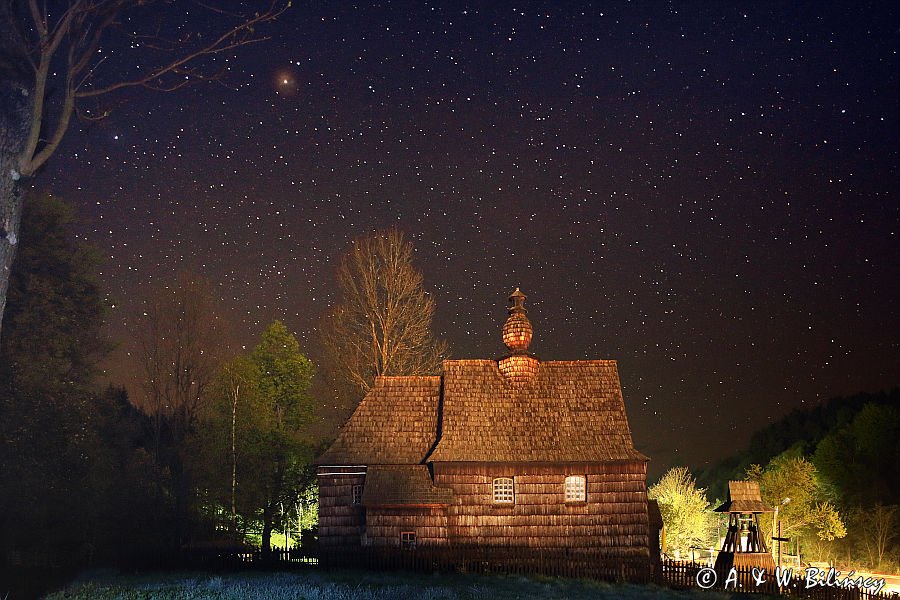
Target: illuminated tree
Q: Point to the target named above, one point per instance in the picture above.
(686, 513)
(382, 322)
(258, 419)
(792, 483)
(52, 69)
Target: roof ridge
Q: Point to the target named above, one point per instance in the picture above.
(404, 377)
(579, 362)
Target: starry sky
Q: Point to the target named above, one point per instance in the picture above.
(706, 192)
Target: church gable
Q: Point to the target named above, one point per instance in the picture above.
(515, 409)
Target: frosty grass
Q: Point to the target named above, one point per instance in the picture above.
(350, 585)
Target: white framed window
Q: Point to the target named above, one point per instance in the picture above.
(576, 488)
(504, 490)
(408, 539)
(357, 494)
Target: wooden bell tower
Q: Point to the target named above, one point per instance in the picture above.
(744, 546)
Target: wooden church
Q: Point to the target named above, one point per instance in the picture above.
(511, 453)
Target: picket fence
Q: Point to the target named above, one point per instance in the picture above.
(228, 559)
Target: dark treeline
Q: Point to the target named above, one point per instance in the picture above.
(78, 484)
(219, 455)
(801, 429)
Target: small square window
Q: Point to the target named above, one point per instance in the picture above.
(504, 491)
(576, 488)
(357, 494)
(408, 540)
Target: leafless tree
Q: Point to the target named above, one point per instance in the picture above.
(235, 381)
(877, 531)
(382, 323)
(52, 68)
(181, 342)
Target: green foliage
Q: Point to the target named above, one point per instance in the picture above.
(861, 459)
(283, 377)
(686, 513)
(255, 447)
(50, 343)
(308, 513)
(876, 532)
(54, 314)
(298, 520)
(854, 443)
(829, 524)
(790, 482)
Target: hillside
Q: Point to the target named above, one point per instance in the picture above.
(802, 428)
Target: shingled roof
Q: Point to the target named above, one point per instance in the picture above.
(396, 423)
(516, 410)
(571, 411)
(403, 485)
(744, 497)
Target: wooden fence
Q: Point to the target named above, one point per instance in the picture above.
(229, 559)
(457, 559)
(493, 559)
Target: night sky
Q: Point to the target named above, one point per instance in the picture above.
(706, 192)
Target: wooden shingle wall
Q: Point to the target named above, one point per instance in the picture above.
(384, 525)
(613, 521)
(341, 523)
(409, 485)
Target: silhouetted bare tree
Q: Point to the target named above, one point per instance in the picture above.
(181, 344)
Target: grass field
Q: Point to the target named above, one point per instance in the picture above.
(353, 585)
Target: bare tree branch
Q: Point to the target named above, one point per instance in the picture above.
(82, 26)
(42, 48)
(382, 325)
(181, 344)
(40, 21)
(226, 42)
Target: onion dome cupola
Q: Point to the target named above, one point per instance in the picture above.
(518, 367)
(517, 330)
